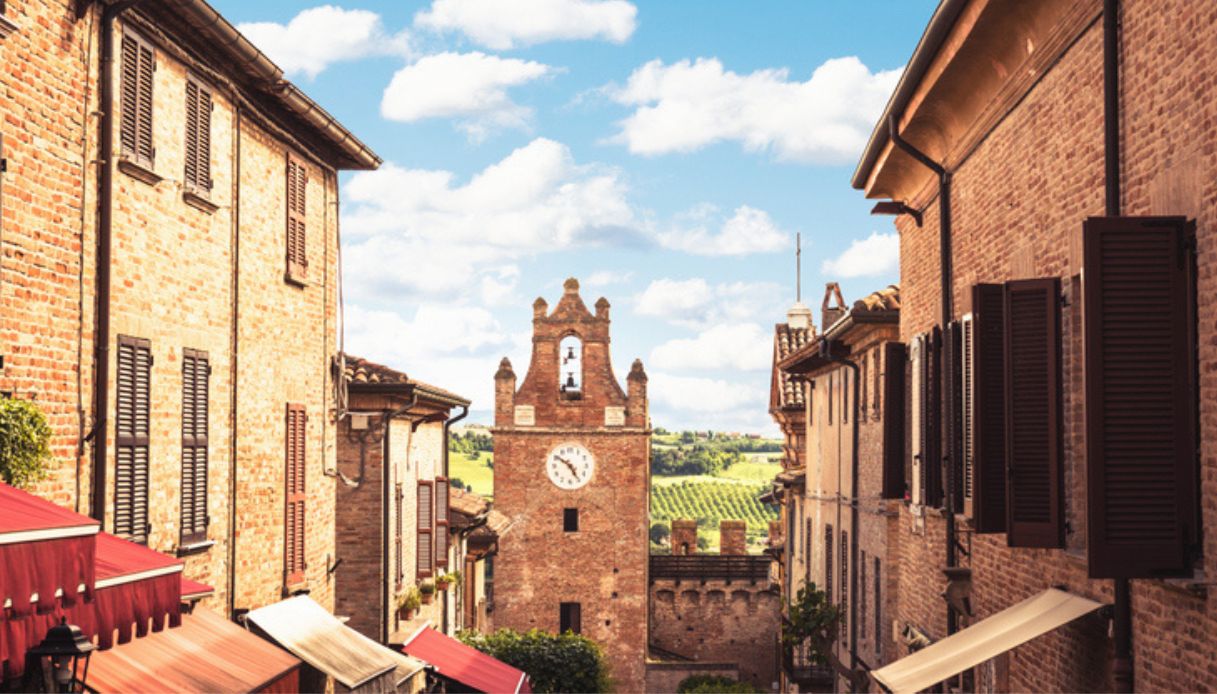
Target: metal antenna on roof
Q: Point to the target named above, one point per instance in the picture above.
(798, 266)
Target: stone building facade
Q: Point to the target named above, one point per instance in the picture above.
(846, 520)
(220, 221)
(395, 525)
(572, 474)
(1030, 164)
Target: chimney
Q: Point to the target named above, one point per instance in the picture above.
(798, 317)
(732, 537)
(684, 537)
(831, 314)
(504, 394)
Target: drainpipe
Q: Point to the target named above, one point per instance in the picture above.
(105, 186)
(386, 490)
(233, 366)
(944, 254)
(1122, 658)
(447, 424)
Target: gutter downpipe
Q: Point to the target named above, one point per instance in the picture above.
(447, 424)
(1122, 658)
(105, 184)
(234, 366)
(385, 491)
(948, 312)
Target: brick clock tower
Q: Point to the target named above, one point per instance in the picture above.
(572, 471)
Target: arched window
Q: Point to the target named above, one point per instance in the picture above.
(570, 367)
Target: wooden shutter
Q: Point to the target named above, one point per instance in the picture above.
(985, 476)
(1035, 500)
(131, 423)
(913, 477)
(844, 584)
(828, 562)
(295, 564)
(195, 371)
(878, 608)
(1141, 409)
(952, 388)
(426, 529)
(894, 360)
(198, 137)
(135, 110)
(297, 241)
(442, 522)
(399, 562)
(931, 468)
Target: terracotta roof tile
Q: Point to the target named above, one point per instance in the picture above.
(359, 370)
(886, 299)
(788, 340)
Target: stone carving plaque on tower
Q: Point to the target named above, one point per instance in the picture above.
(614, 416)
(526, 416)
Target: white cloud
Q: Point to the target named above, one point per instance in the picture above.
(411, 232)
(876, 255)
(318, 37)
(687, 105)
(503, 25)
(470, 85)
(696, 303)
(604, 278)
(749, 230)
(745, 347)
(704, 395)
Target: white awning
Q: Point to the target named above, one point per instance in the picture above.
(315, 636)
(986, 639)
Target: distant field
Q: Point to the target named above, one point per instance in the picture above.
(477, 474)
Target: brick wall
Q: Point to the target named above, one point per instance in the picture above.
(1019, 201)
(46, 231)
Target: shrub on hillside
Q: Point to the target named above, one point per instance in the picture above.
(554, 662)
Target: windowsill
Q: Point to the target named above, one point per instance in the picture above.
(1194, 585)
(295, 280)
(195, 548)
(7, 27)
(199, 202)
(139, 172)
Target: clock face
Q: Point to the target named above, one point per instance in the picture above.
(570, 466)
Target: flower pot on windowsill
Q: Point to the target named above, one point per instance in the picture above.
(405, 614)
(427, 598)
(442, 584)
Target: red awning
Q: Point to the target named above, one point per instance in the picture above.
(465, 664)
(207, 653)
(136, 587)
(193, 590)
(25, 517)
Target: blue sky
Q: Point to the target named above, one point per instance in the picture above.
(665, 153)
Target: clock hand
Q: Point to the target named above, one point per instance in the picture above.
(571, 467)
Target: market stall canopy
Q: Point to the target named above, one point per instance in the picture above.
(315, 636)
(207, 653)
(984, 640)
(465, 664)
(193, 590)
(137, 589)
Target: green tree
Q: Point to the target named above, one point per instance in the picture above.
(660, 533)
(554, 662)
(713, 684)
(25, 442)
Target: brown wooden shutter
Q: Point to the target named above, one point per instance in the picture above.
(986, 481)
(916, 377)
(931, 421)
(1141, 409)
(198, 137)
(399, 564)
(828, 562)
(953, 368)
(195, 371)
(132, 404)
(1035, 499)
(297, 241)
(297, 429)
(442, 522)
(426, 529)
(844, 583)
(135, 110)
(894, 359)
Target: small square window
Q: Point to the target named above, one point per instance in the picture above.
(569, 617)
(570, 520)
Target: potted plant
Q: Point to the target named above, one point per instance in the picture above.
(408, 603)
(442, 581)
(427, 590)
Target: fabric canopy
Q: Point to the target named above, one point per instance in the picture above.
(25, 517)
(207, 653)
(317, 637)
(136, 587)
(465, 664)
(193, 590)
(986, 639)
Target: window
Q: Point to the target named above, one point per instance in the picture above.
(135, 107)
(878, 610)
(862, 595)
(914, 479)
(297, 209)
(426, 529)
(399, 496)
(570, 520)
(1141, 378)
(931, 421)
(569, 618)
(195, 372)
(844, 584)
(1033, 414)
(297, 420)
(570, 369)
(808, 533)
(844, 397)
(876, 392)
(864, 379)
(984, 429)
(198, 137)
(134, 381)
(441, 522)
(830, 397)
(895, 479)
(828, 562)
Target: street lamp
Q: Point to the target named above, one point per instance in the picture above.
(67, 648)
